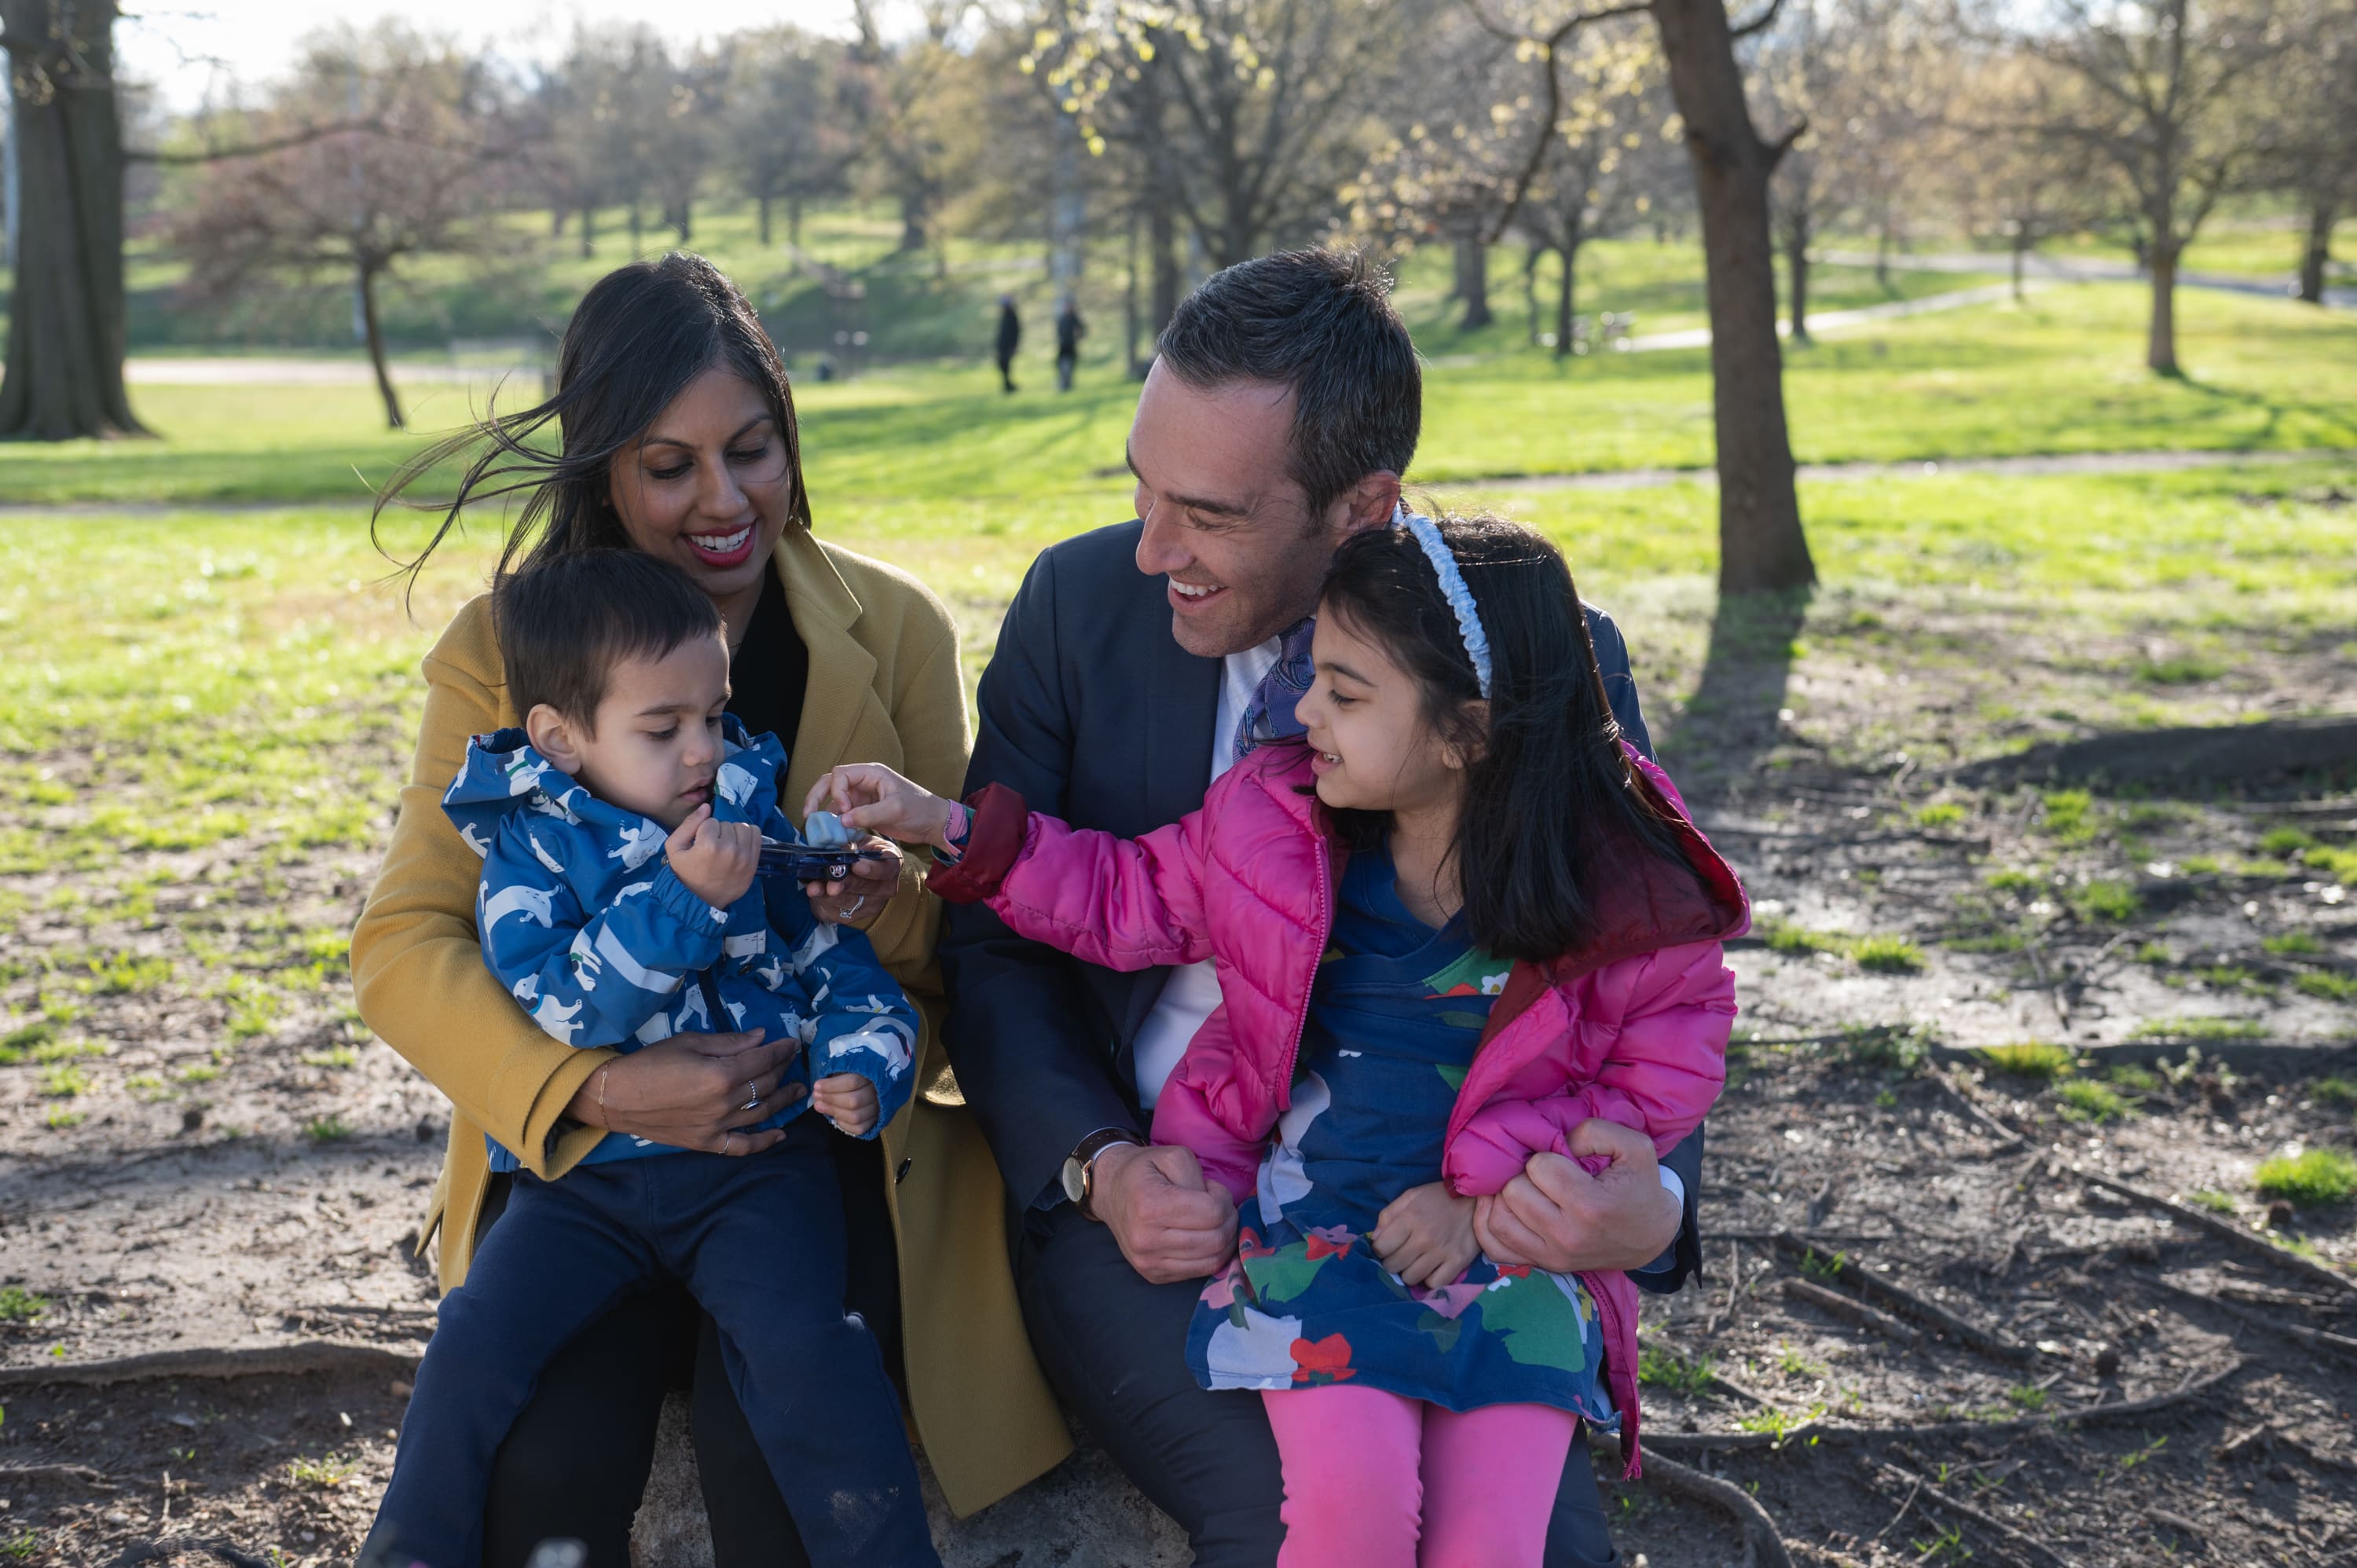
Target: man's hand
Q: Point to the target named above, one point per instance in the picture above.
(716, 860)
(1171, 1224)
(1557, 1217)
(1425, 1236)
(847, 1099)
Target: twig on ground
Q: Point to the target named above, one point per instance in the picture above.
(1923, 1310)
(1828, 1194)
(2255, 1441)
(95, 1480)
(1851, 1311)
(2247, 1241)
(1706, 1442)
(1912, 1492)
(1765, 1545)
(2053, 992)
(140, 1552)
(1734, 1275)
(1981, 1517)
(305, 1359)
(2337, 1345)
(2008, 1138)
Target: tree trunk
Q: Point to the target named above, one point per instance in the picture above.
(794, 229)
(63, 375)
(1473, 282)
(376, 348)
(1761, 547)
(1564, 299)
(2160, 353)
(765, 219)
(1531, 259)
(1129, 322)
(912, 222)
(683, 219)
(1162, 243)
(588, 229)
(638, 228)
(1796, 262)
(557, 216)
(2318, 255)
(2020, 259)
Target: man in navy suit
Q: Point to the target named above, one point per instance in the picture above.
(1282, 410)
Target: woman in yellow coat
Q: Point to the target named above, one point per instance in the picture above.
(678, 437)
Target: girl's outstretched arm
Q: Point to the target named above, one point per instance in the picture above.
(1674, 1009)
(1126, 904)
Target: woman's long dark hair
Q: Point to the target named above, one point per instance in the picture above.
(638, 337)
(1552, 802)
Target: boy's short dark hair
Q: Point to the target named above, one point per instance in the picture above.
(562, 625)
(1322, 324)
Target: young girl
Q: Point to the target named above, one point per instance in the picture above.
(1455, 921)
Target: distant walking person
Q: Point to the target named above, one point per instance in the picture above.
(1069, 330)
(1011, 338)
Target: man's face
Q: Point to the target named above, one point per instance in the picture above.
(1224, 522)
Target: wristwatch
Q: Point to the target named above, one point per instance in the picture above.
(1081, 1165)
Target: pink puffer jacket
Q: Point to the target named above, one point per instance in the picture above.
(1632, 1029)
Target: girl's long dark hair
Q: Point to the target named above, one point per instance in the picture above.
(1553, 805)
(638, 337)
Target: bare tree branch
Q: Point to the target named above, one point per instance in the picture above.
(251, 149)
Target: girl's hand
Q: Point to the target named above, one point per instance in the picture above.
(870, 796)
(855, 900)
(693, 1091)
(847, 1099)
(1425, 1236)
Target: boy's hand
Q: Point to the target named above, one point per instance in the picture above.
(847, 1099)
(870, 796)
(1425, 1236)
(716, 860)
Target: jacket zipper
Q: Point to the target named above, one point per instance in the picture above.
(1325, 935)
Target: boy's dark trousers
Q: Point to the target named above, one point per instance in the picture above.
(759, 1241)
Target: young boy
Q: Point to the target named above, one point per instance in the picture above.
(619, 830)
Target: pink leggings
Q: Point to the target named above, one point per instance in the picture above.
(1369, 1474)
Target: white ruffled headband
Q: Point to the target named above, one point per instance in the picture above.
(1452, 588)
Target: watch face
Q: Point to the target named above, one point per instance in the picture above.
(1075, 1185)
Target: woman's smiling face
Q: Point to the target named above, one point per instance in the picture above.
(708, 488)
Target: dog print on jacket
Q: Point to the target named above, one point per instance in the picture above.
(582, 921)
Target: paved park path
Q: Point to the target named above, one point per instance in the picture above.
(2032, 465)
(2082, 269)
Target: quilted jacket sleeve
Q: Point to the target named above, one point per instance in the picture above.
(1675, 1008)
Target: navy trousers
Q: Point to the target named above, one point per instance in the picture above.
(759, 1241)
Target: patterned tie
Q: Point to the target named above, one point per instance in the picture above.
(1269, 716)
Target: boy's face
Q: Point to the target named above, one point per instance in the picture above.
(657, 743)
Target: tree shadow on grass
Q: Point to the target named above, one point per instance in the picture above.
(1730, 724)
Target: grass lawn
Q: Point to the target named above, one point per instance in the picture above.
(2061, 374)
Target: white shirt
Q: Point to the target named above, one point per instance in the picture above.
(1192, 990)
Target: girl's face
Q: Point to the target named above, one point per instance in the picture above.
(1374, 749)
(707, 488)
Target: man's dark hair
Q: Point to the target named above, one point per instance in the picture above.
(1555, 817)
(1322, 324)
(565, 623)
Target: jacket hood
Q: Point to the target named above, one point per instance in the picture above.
(504, 773)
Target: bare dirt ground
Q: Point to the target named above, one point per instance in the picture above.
(1947, 1316)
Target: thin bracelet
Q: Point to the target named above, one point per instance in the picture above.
(602, 1072)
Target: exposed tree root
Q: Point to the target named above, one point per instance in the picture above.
(1763, 1545)
(2028, 1545)
(2008, 1138)
(95, 1480)
(2226, 1229)
(1705, 1442)
(1923, 1310)
(305, 1359)
(1857, 1312)
(2337, 1345)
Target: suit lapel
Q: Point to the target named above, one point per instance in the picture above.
(842, 688)
(1181, 706)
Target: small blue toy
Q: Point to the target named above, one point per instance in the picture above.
(826, 855)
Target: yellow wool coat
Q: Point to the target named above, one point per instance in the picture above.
(885, 687)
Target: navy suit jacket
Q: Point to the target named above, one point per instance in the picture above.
(1094, 714)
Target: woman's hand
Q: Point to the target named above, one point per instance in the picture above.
(855, 900)
(692, 1092)
(1425, 1236)
(870, 796)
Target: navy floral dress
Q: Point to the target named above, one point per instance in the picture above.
(1393, 1022)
